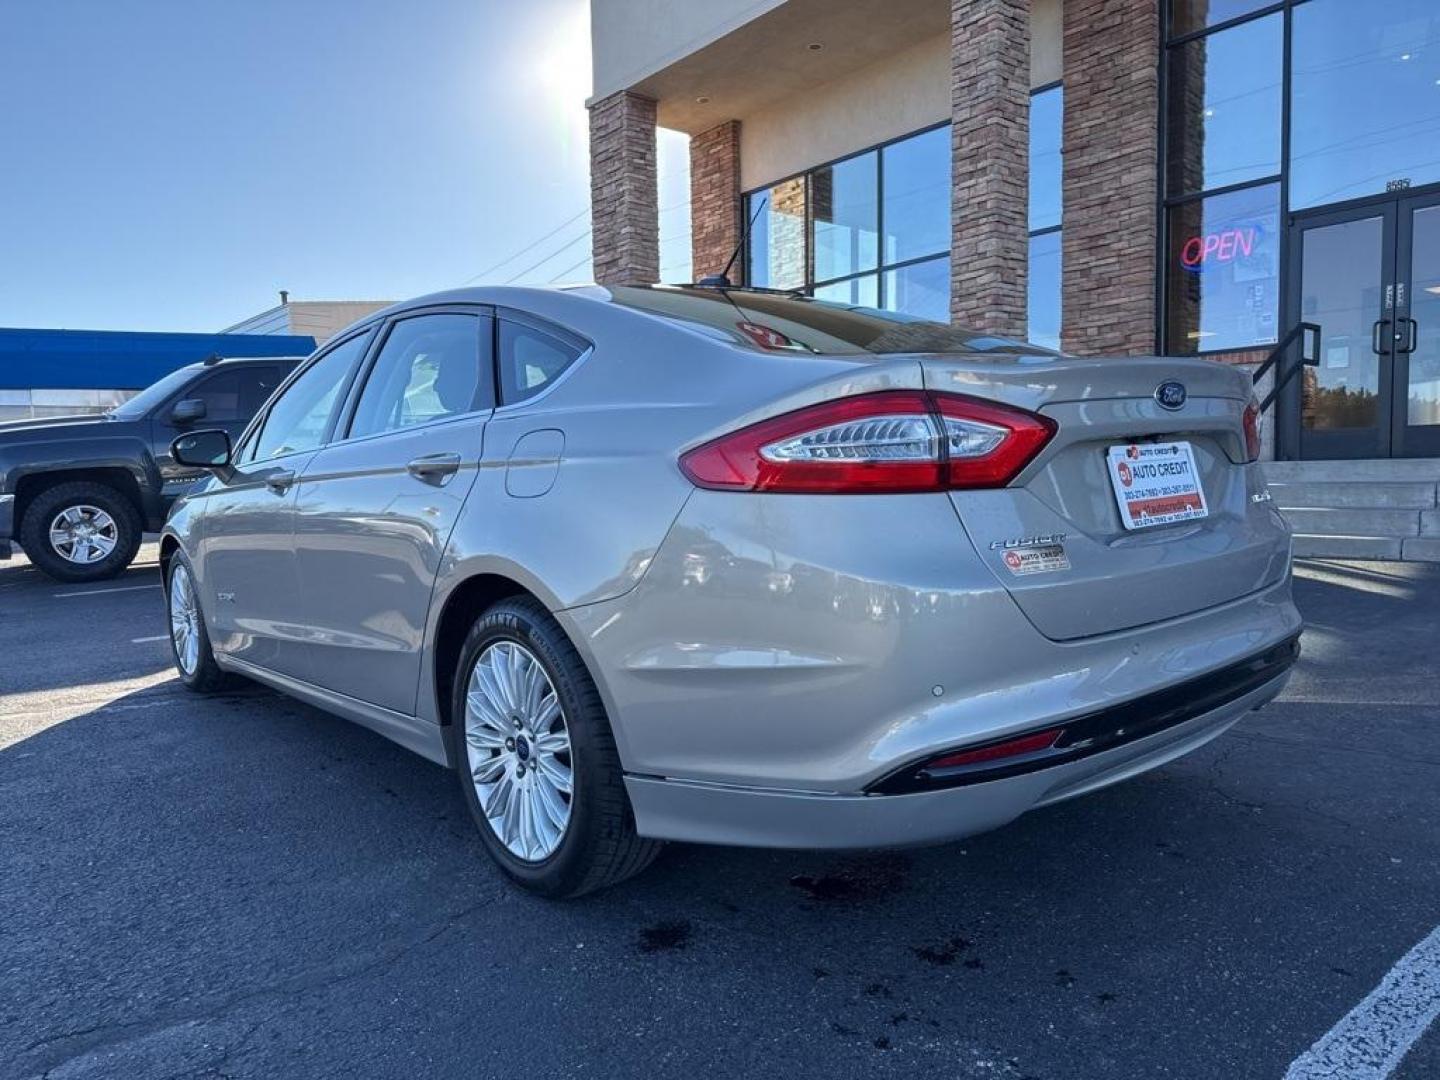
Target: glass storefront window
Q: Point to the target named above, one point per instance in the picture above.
(920, 289)
(840, 230)
(1364, 99)
(1043, 288)
(846, 212)
(1223, 271)
(1224, 106)
(1187, 16)
(1047, 110)
(916, 173)
(777, 238)
(861, 291)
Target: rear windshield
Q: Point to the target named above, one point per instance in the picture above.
(774, 321)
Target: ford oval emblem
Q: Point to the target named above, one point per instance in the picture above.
(1170, 395)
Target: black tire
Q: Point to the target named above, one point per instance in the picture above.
(50, 503)
(206, 676)
(599, 846)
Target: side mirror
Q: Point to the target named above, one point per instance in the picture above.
(204, 450)
(188, 411)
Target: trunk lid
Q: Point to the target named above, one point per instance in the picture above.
(1075, 570)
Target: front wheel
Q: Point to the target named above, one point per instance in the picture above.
(536, 758)
(189, 639)
(81, 531)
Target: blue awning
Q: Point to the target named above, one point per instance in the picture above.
(118, 360)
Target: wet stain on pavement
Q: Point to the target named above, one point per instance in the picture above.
(941, 955)
(856, 880)
(665, 936)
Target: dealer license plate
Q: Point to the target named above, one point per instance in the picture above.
(1155, 484)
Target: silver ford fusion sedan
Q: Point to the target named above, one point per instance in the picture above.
(737, 567)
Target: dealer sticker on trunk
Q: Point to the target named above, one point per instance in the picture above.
(1036, 560)
(1156, 484)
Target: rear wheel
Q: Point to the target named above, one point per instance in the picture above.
(536, 758)
(81, 531)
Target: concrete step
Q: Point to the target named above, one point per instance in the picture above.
(1367, 522)
(1346, 547)
(1383, 470)
(1410, 495)
(1421, 549)
(1430, 522)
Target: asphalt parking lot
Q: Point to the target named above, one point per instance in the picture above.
(244, 886)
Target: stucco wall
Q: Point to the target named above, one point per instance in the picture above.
(631, 39)
(906, 91)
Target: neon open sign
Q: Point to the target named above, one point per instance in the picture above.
(1224, 246)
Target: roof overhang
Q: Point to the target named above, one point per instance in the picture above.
(775, 54)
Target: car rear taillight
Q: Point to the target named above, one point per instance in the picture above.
(1252, 431)
(890, 442)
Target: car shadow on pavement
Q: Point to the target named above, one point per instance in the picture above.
(245, 885)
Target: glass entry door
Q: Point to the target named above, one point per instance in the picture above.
(1370, 278)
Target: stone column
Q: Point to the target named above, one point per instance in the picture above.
(1110, 211)
(990, 148)
(624, 207)
(715, 200)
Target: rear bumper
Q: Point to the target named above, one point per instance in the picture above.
(705, 813)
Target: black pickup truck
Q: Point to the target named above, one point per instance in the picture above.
(77, 492)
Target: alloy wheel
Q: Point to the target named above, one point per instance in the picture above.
(83, 534)
(518, 751)
(184, 620)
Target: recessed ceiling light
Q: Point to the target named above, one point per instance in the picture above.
(815, 46)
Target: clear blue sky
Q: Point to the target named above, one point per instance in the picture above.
(170, 164)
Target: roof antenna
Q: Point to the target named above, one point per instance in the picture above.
(722, 279)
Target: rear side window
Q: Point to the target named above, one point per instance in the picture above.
(530, 360)
(430, 367)
(236, 394)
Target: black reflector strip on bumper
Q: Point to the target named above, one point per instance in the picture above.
(1097, 732)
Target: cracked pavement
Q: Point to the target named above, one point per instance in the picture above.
(245, 887)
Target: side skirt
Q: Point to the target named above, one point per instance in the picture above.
(421, 736)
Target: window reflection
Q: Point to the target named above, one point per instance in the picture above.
(1365, 98)
(920, 289)
(1224, 104)
(846, 210)
(861, 291)
(1190, 15)
(1044, 290)
(872, 230)
(917, 195)
(1046, 114)
(777, 239)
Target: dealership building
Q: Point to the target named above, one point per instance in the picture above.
(1110, 177)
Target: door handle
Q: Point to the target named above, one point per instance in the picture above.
(434, 468)
(1412, 336)
(279, 482)
(1375, 335)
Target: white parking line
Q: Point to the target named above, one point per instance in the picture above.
(102, 592)
(1373, 1037)
(143, 640)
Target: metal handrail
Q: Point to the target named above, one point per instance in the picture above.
(1282, 380)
